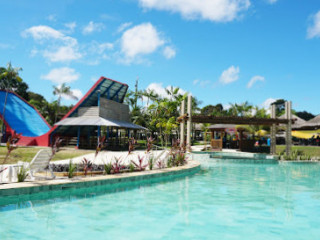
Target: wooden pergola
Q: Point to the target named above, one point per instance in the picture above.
(238, 120)
(273, 122)
(223, 123)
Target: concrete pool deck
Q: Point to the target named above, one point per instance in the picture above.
(29, 187)
(104, 157)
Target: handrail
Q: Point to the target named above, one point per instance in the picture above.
(158, 147)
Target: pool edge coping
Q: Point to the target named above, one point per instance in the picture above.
(14, 189)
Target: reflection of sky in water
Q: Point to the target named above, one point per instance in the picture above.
(225, 200)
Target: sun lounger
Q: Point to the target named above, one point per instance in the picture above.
(40, 163)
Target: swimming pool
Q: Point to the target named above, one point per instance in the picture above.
(225, 200)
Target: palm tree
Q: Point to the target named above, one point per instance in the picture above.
(150, 94)
(241, 110)
(62, 90)
(7, 77)
(173, 93)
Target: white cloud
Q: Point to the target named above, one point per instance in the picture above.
(169, 52)
(140, 40)
(212, 10)
(98, 51)
(255, 79)
(71, 26)
(314, 29)
(58, 46)
(100, 48)
(195, 82)
(123, 26)
(94, 78)
(75, 92)
(61, 75)
(230, 75)
(226, 106)
(5, 46)
(266, 104)
(34, 52)
(159, 89)
(43, 32)
(93, 27)
(201, 83)
(62, 54)
(52, 18)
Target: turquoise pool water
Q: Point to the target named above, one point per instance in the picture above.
(225, 200)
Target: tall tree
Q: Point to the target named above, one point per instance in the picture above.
(280, 106)
(150, 94)
(59, 91)
(8, 78)
(11, 80)
(241, 110)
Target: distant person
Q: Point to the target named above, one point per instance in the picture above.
(269, 142)
(318, 140)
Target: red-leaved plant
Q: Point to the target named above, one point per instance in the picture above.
(140, 166)
(101, 144)
(150, 141)
(175, 143)
(11, 145)
(160, 164)
(117, 165)
(131, 142)
(181, 158)
(55, 145)
(87, 166)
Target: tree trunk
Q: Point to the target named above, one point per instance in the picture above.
(3, 113)
(55, 119)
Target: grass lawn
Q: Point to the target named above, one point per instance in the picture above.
(307, 150)
(26, 154)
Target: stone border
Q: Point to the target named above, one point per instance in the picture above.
(15, 189)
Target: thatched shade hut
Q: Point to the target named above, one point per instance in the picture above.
(312, 124)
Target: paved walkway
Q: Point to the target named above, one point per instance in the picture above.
(109, 156)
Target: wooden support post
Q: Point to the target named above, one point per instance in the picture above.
(88, 138)
(240, 140)
(117, 137)
(78, 139)
(189, 121)
(273, 131)
(182, 123)
(98, 134)
(288, 106)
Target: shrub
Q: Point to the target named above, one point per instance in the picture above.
(87, 166)
(22, 174)
(160, 164)
(72, 168)
(108, 168)
(131, 167)
(170, 162)
(117, 165)
(151, 162)
(140, 165)
(181, 159)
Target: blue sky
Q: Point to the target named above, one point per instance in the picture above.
(222, 51)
